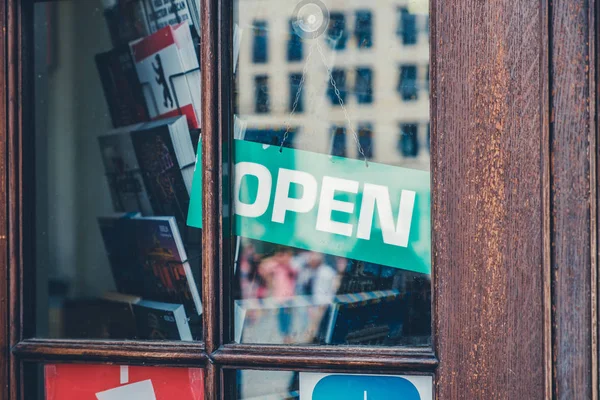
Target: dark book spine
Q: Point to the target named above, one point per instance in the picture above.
(162, 175)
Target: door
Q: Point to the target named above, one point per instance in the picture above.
(249, 199)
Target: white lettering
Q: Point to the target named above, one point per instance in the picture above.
(284, 203)
(327, 204)
(263, 193)
(397, 236)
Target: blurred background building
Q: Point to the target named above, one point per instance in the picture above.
(378, 54)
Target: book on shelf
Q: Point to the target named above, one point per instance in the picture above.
(117, 243)
(102, 318)
(148, 259)
(161, 321)
(125, 181)
(121, 86)
(167, 273)
(166, 157)
(169, 73)
(127, 20)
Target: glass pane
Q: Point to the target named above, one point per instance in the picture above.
(332, 186)
(117, 87)
(290, 385)
(120, 382)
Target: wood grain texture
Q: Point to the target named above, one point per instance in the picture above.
(14, 120)
(4, 270)
(487, 198)
(326, 358)
(130, 352)
(573, 210)
(211, 202)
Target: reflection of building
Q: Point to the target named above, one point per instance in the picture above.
(378, 52)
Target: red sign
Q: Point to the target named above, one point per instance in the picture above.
(113, 382)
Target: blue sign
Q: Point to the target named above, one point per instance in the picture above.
(363, 387)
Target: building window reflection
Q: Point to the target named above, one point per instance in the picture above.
(294, 45)
(339, 78)
(260, 43)
(364, 85)
(336, 31)
(338, 141)
(407, 83)
(295, 80)
(409, 143)
(365, 139)
(363, 29)
(407, 26)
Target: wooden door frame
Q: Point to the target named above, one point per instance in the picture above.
(513, 86)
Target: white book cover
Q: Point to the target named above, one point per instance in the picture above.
(167, 68)
(134, 391)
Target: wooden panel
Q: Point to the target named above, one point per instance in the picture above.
(573, 202)
(488, 162)
(130, 352)
(4, 294)
(211, 201)
(14, 120)
(326, 358)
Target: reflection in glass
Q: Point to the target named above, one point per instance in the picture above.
(357, 89)
(291, 385)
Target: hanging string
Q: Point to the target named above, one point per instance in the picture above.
(341, 101)
(337, 94)
(288, 126)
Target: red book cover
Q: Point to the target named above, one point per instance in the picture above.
(113, 382)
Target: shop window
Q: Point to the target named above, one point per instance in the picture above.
(409, 143)
(407, 83)
(261, 94)
(363, 29)
(260, 46)
(364, 85)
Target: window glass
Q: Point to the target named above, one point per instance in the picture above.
(291, 385)
(117, 123)
(331, 192)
